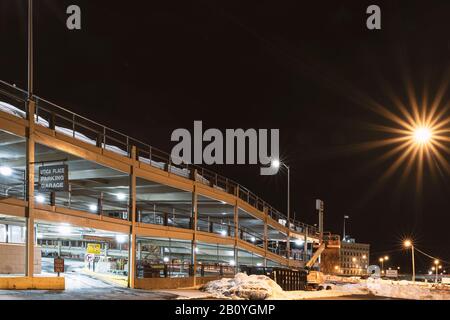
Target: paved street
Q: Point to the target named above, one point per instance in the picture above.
(356, 297)
(80, 286)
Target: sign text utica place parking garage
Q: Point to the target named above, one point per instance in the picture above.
(53, 178)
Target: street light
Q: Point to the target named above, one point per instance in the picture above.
(436, 263)
(422, 135)
(409, 244)
(276, 163)
(386, 258)
(382, 264)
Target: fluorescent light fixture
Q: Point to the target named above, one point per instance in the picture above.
(259, 264)
(40, 198)
(166, 259)
(93, 207)
(6, 171)
(299, 242)
(252, 239)
(232, 263)
(120, 238)
(121, 196)
(223, 232)
(65, 229)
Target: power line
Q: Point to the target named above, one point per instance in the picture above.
(430, 256)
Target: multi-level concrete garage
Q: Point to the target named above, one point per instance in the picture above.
(127, 212)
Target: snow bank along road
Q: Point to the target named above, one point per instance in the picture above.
(243, 286)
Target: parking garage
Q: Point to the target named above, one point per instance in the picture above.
(127, 213)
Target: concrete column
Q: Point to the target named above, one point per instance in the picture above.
(132, 217)
(29, 211)
(59, 247)
(236, 236)
(288, 244)
(139, 251)
(194, 216)
(305, 246)
(266, 215)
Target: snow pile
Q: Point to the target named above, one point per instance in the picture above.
(340, 279)
(397, 289)
(242, 286)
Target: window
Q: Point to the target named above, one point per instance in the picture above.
(2, 233)
(16, 234)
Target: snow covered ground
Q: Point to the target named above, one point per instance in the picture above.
(258, 287)
(398, 289)
(261, 287)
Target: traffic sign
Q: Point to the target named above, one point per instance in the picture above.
(90, 257)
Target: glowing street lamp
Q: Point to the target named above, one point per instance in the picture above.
(276, 163)
(422, 135)
(437, 267)
(386, 258)
(382, 264)
(409, 244)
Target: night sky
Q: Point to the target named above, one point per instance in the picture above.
(310, 69)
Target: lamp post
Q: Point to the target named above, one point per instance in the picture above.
(409, 244)
(382, 264)
(276, 164)
(437, 267)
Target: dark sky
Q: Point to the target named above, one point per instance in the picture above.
(308, 68)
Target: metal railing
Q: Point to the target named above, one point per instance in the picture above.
(67, 122)
(85, 199)
(225, 229)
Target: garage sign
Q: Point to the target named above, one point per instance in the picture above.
(54, 178)
(93, 248)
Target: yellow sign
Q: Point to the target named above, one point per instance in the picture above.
(93, 248)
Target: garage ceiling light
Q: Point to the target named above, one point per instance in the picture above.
(5, 171)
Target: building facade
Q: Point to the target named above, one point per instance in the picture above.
(354, 257)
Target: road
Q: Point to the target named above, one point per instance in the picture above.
(356, 297)
(80, 286)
